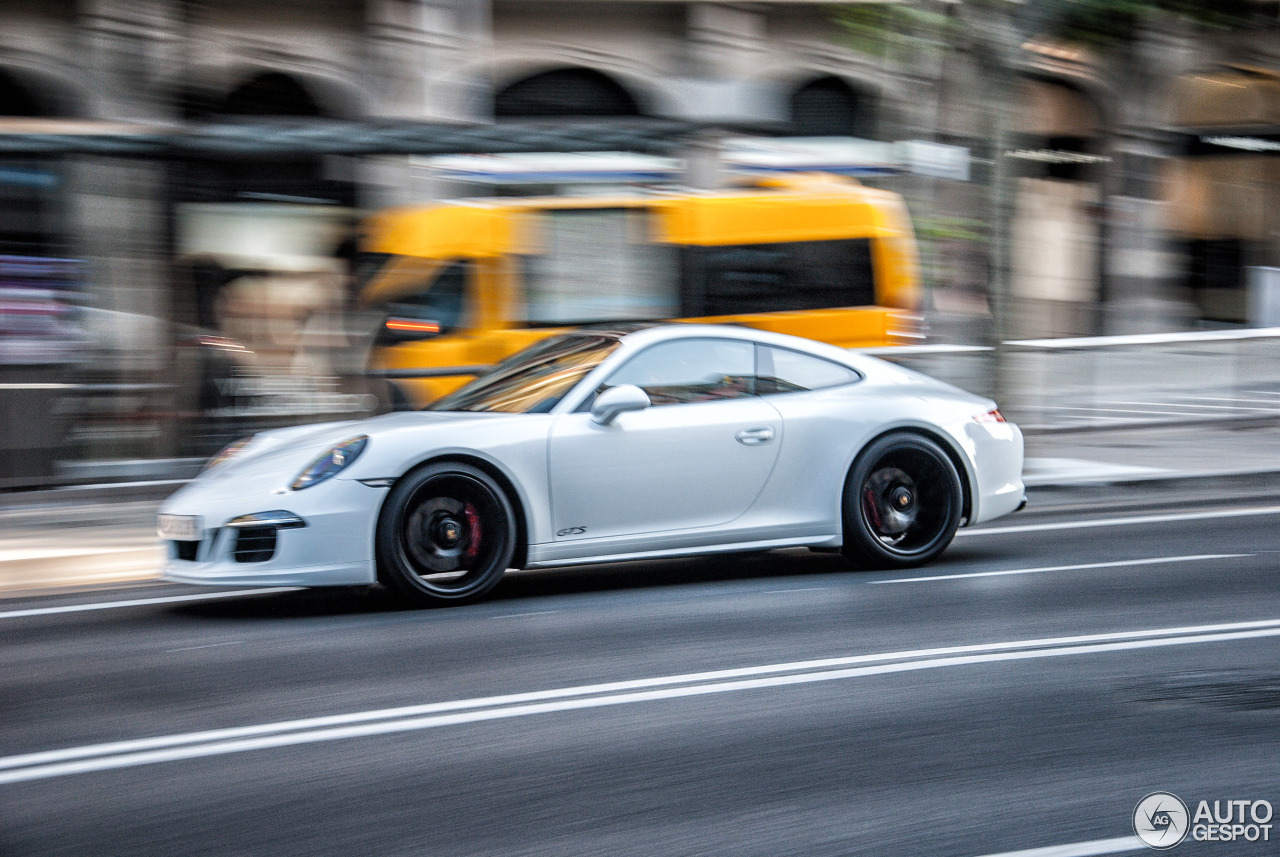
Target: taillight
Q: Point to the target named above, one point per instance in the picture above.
(991, 416)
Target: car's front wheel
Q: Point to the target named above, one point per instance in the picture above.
(446, 534)
(902, 502)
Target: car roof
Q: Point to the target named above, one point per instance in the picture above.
(646, 334)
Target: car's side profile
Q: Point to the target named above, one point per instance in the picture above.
(605, 445)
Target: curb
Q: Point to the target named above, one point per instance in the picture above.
(103, 492)
(1158, 489)
(1139, 425)
(81, 568)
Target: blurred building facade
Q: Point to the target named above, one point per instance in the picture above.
(1129, 211)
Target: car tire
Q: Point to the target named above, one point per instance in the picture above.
(446, 534)
(902, 502)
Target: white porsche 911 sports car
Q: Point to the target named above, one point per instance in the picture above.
(607, 444)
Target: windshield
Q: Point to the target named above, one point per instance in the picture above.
(534, 380)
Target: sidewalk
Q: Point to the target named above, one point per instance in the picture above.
(98, 535)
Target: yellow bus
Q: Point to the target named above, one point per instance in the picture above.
(461, 285)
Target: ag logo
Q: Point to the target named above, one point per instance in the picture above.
(571, 531)
(1160, 819)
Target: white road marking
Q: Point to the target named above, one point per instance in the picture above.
(1158, 560)
(1121, 845)
(142, 602)
(205, 646)
(1123, 522)
(516, 615)
(145, 751)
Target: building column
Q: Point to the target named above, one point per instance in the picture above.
(415, 49)
(117, 220)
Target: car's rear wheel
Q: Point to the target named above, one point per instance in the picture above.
(446, 534)
(902, 502)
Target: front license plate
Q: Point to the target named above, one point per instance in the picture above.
(182, 528)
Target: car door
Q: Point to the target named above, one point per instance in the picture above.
(696, 458)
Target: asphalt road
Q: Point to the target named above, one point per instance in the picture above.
(1026, 691)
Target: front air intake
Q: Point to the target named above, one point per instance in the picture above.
(254, 544)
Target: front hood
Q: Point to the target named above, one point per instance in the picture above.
(284, 452)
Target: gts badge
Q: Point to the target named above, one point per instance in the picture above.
(571, 531)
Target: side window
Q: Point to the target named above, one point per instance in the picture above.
(785, 371)
(437, 306)
(691, 370)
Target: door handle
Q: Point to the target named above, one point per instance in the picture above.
(755, 436)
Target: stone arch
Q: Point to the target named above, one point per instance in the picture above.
(271, 93)
(31, 94)
(569, 91)
(828, 106)
(255, 93)
(266, 92)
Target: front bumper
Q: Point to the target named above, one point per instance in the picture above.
(251, 535)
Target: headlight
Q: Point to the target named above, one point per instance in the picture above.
(330, 463)
(228, 452)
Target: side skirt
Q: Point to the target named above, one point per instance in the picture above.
(538, 558)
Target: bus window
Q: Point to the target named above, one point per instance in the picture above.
(782, 277)
(427, 307)
(591, 265)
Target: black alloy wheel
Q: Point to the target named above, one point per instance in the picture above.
(446, 534)
(902, 503)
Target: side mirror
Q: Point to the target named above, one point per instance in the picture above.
(616, 400)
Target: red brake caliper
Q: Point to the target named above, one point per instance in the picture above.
(473, 531)
(869, 502)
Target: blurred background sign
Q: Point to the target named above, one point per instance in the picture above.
(934, 160)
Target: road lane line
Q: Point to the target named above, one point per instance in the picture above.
(1123, 522)
(143, 602)
(79, 760)
(1121, 845)
(1159, 560)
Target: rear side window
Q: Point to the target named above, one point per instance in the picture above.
(781, 370)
